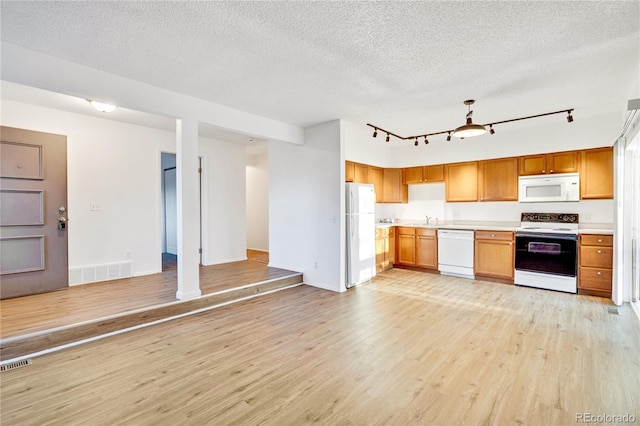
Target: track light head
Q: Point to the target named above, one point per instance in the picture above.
(387, 139)
(449, 137)
(426, 141)
(375, 132)
(416, 142)
(491, 131)
(569, 117)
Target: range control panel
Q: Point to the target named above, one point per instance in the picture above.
(550, 217)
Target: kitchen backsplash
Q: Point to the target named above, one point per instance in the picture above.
(428, 199)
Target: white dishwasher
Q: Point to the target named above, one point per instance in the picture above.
(455, 252)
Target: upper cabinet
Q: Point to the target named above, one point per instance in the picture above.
(394, 191)
(461, 181)
(557, 162)
(349, 171)
(376, 177)
(596, 174)
(361, 173)
(424, 174)
(498, 180)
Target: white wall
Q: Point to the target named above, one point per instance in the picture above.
(258, 201)
(114, 164)
(119, 166)
(306, 206)
(224, 201)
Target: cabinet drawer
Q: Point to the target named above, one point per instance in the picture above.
(494, 235)
(405, 230)
(597, 257)
(595, 279)
(596, 240)
(425, 232)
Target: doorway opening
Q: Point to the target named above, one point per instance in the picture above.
(170, 210)
(257, 199)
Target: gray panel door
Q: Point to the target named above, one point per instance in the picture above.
(33, 203)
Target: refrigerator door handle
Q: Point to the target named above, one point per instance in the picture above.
(352, 224)
(350, 201)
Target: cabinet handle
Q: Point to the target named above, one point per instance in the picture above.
(599, 273)
(543, 171)
(599, 240)
(599, 251)
(551, 171)
(493, 235)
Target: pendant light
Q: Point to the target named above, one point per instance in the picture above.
(469, 129)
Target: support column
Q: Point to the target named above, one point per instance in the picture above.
(188, 198)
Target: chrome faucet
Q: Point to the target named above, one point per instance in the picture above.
(428, 222)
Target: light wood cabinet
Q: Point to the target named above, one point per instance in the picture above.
(461, 181)
(376, 178)
(385, 248)
(494, 255)
(498, 179)
(424, 174)
(361, 173)
(426, 248)
(595, 260)
(596, 174)
(406, 246)
(349, 171)
(413, 175)
(557, 162)
(433, 173)
(394, 190)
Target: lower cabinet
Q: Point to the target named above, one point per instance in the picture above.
(385, 248)
(406, 246)
(595, 264)
(494, 255)
(417, 247)
(426, 248)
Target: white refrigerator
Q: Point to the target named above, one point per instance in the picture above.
(361, 233)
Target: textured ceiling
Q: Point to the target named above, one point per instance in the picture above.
(406, 66)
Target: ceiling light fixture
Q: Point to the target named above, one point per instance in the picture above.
(375, 132)
(102, 107)
(469, 129)
(426, 141)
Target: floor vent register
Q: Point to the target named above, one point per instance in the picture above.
(14, 365)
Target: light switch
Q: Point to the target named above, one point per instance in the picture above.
(94, 207)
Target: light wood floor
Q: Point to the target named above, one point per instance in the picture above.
(407, 349)
(86, 302)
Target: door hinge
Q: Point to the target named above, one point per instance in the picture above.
(199, 169)
(200, 251)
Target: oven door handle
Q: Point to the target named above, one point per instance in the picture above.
(566, 237)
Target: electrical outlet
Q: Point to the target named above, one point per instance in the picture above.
(94, 207)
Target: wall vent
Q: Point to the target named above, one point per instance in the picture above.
(14, 365)
(96, 273)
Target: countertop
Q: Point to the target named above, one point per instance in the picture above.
(587, 228)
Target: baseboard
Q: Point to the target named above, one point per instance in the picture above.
(218, 262)
(257, 249)
(636, 308)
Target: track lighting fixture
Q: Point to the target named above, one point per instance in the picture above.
(469, 129)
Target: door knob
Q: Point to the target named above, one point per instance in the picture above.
(61, 209)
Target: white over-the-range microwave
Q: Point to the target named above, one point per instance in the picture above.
(549, 188)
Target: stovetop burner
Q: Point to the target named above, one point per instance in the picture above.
(554, 223)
